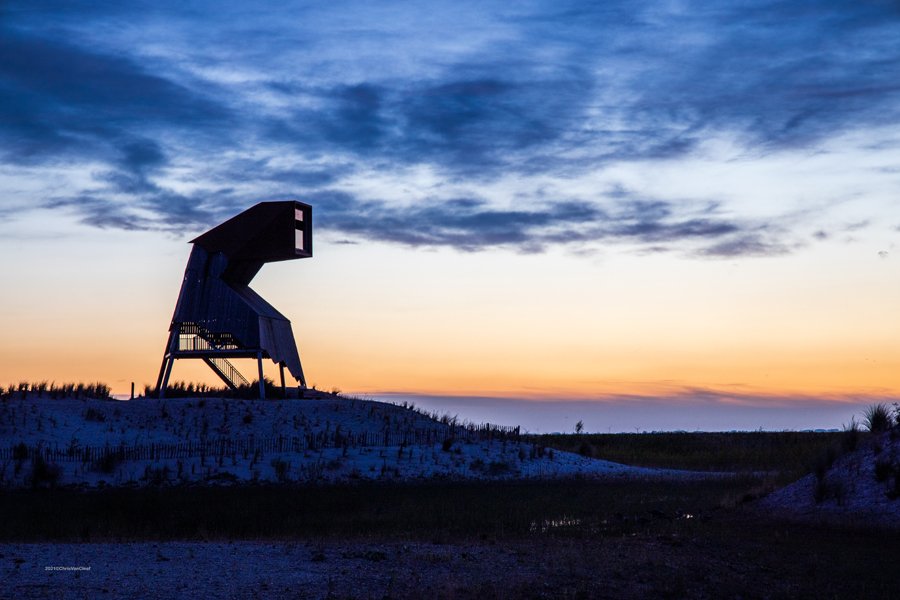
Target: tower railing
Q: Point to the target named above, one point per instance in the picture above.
(226, 371)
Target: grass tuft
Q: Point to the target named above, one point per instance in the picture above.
(877, 418)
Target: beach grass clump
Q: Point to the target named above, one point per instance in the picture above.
(190, 389)
(92, 414)
(40, 389)
(108, 461)
(877, 418)
(43, 473)
(851, 436)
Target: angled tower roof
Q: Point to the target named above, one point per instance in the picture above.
(217, 316)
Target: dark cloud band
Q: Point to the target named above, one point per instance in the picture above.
(556, 90)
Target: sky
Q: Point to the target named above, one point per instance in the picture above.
(645, 215)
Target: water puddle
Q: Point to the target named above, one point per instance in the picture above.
(554, 524)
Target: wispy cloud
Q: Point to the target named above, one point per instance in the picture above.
(185, 115)
(471, 224)
(63, 100)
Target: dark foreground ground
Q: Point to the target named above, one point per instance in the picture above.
(699, 538)
(564, 539)
(795, 563)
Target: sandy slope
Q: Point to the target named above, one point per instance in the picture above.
(850, 490)
(75, 424)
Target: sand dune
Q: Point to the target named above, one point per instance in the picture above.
(178, 441)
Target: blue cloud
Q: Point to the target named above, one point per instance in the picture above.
(297, 102)
(60, 99)
(471, 224)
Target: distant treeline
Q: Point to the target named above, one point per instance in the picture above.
(789, 452)
(51, 389)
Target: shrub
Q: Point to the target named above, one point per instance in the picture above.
(586, 449)
(824, 462)
(894, 492)
(157, 476)
(92, 414)
(499, 468)
(883, 469)
(20, 451)
(830, 490)
(282, 467)
(850, 437)
(43, 473)
(107, 462)
(877, 418)
(99, 390)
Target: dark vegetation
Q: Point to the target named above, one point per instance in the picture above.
(414, 511)
(578, 538)
(784, 455)
(575, 539)
(250, 391)
(878, 419)
(789, 454)
(43, 473)
(46, 389)
(759, 460)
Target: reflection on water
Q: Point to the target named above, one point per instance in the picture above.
(551, 524)
(565, 522)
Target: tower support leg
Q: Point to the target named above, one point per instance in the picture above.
(169, 361)
(262, 385)
(162, 371)
(166, 367)
(283, 391)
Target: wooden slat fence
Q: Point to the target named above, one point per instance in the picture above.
(249, 446)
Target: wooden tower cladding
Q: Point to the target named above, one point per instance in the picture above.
(217, 316)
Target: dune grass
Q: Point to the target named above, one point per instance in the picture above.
(51, 389)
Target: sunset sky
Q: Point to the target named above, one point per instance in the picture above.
(660, 215)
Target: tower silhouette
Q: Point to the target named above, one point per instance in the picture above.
(217, 316)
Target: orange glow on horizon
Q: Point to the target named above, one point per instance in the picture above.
(444, 373)
(539, 327)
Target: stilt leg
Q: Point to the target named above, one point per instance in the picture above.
(262, 385)
(166, 367)
(170, 360)
(162, 371)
